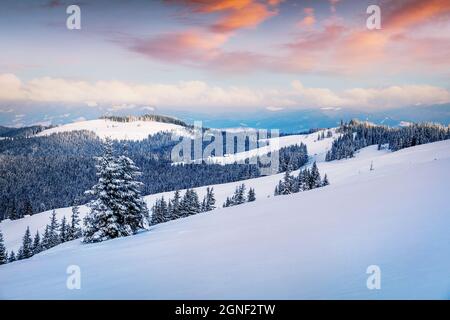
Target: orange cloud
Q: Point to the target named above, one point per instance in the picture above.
(309, 19)
(236, 14)
(411, 13)
(333, 46)
(250, 16)
(188, 46)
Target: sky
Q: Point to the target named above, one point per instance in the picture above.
(219, 56)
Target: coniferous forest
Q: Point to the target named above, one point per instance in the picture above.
(34, 170)
(357, 135)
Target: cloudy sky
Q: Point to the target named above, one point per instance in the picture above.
(218, 55)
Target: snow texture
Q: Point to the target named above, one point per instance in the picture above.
(104, 128)
(313, 245)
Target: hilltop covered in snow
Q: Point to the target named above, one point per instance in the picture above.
(120, 130)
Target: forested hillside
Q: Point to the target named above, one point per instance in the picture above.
(35, 172)
(357, 135)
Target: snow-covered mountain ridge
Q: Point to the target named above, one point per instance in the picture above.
(132, 130)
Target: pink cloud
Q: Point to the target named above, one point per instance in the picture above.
(309, 19)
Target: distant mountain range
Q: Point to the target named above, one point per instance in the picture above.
(287, 120)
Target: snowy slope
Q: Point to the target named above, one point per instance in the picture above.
(14, 230)
(316, 148)
(315, 244)
(338, 172)
(134, 130)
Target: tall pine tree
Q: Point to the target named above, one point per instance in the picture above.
(3, 253)
(103, 220)
(118, 209)
(251, 195)
(37, 247)
(74, 231)
(135, 215)
(26, 251)
(53, 231)
(210, 200)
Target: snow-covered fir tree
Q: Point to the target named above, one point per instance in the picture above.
(118, 209)
(64, 230)
(239, 195)
(12, 257)
(37, 247)
(227, 203)
(251, 195)
(306, 180)
(3, 253)
(101, 223)
(158, 214)
(53, 231)
(210, 200)
(190, 203)
(287, 185)
(135, 215)
(45, 243)
(325, 181)
(315, 180)
(26, 250)
(175, 204)
(74, 231)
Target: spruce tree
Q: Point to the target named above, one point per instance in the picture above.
(26, 251)
(239, 195)
(288, 183)
(190, 203)
(210, 199)
(227, 203)
(203, 205)
(37, 247)
(63, 230)
(251, 195)
(74, 231)
(53, 236)
(135, 213)
(169, 210)
(325, 181)
(302, 180)
(176, 205)
(315, 180)
(157, 212)
(307, 179)
(45, 243)
(3, 253)
(12, 257)
(118, 209)
(103, 222)
(164, 210)
(194, 203)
